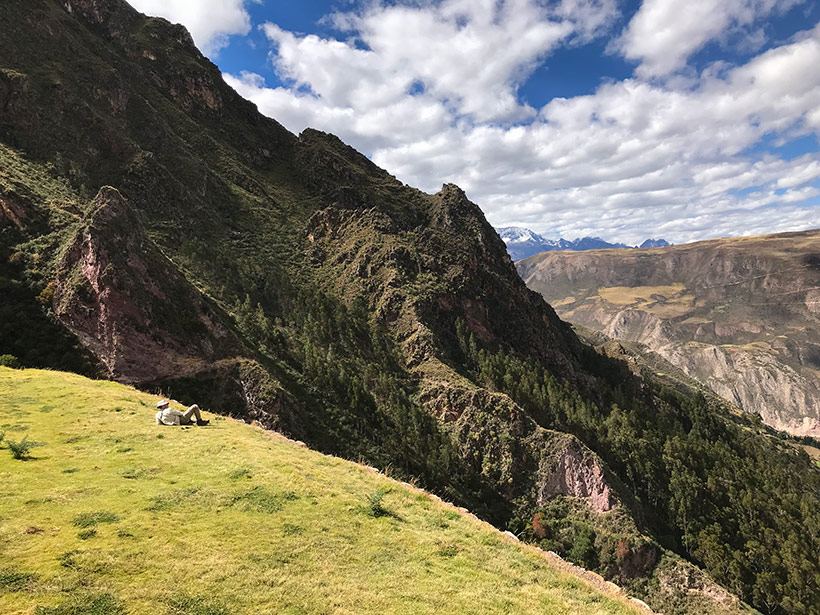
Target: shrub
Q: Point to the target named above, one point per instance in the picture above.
(9, 360)
(21, 449)
(375, 507)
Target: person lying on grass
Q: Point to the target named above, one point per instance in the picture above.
(168, 416)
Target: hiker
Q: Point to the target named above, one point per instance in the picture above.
(168, 416)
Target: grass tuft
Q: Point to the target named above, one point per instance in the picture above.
(67, 559)
(91, 519)
(93, 604)
(195, 605)
(13, 580)
(291, 529)
(138, 472)
(260, 499)
(448, 550)
(166, 501)
(240, 473)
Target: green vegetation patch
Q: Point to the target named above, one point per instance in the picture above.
(179, 497)
(263, 500)
(90, 519)
(94, 604)
(12, 580)
(196, 605)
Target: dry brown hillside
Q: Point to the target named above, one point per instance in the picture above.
(741, 315)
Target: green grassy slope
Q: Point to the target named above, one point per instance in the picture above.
(116, 514)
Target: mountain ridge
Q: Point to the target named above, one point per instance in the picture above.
(523, 243)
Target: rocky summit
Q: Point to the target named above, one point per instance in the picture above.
(157, 230)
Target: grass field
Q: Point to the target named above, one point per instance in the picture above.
(114, 514)
(628, 295)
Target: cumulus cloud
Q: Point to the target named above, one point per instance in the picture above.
(472, 54)
(663, 34)
(210, 23)
(633, 159)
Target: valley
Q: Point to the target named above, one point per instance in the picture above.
(740, 315)
(157, 231)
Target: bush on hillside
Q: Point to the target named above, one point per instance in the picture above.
(9, 360)
(20, 450)
(375, 507)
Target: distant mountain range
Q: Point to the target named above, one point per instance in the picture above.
(522, 242)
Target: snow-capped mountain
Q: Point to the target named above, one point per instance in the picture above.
(655, 243)
(522, 242)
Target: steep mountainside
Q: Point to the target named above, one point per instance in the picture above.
(269, 525)
(740, 315)
(158, 230)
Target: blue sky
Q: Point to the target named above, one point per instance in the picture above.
(623, 119)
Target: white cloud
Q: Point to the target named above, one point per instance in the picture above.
(472, 54)
(633, 159)
(210, 23)
(663, 34)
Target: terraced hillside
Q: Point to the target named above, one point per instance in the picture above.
(113, 514)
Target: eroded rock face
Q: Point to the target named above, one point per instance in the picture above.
(738, 315)
(755, 381)
(515, 454)
(575, 471)
(113, 290)
(685, 578)
(13, 212)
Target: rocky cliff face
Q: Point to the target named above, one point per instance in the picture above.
(130, 305)
(739, 315)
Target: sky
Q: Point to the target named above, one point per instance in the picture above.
(624, 119)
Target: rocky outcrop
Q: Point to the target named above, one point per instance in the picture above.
(576, 472)
(129, 304)
(517, 456)
(676, 577)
